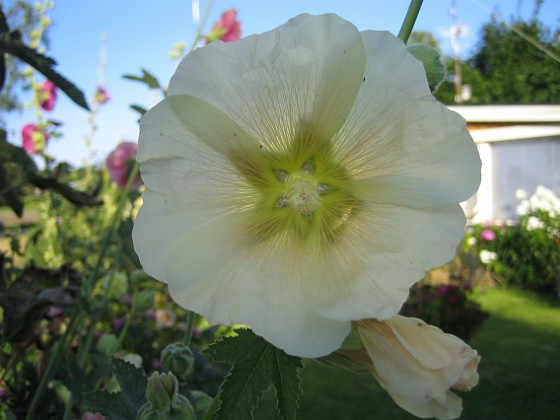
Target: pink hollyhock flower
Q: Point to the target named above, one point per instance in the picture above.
(488, 235)
(47, 95)
(120, 163)
(35, 139)
(102, 95)
(227, 28)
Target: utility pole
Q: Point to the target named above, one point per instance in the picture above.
(455, 34)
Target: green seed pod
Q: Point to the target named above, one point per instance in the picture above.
(178, 359)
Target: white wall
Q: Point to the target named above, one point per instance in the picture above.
(510, 165)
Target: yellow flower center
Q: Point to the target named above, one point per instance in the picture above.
(299, 193)
(302, 193)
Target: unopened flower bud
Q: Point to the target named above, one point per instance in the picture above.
(178, 359)
(107, 344)
(202, 402)
(164, 400)
(143, 300)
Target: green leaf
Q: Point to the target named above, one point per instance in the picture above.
(256, 365)
(126, 403)
(433, 65)
(140, 109)
(147, 78)
(12, 43)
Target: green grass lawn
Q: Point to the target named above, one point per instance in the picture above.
(519, 371)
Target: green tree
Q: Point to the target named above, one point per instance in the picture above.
(514, 68)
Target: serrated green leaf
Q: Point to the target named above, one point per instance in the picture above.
(12, 43)
(287, 383)
(147, 78)
(126, 403)
(256, 365)
(109, 404)
(133, 382)
(433, 65)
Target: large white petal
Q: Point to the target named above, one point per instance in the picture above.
(188, 181)
(308, 71)
(220, 273)
(367, 271)
(403, 146)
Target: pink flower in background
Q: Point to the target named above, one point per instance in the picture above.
(118, 323)
(120, 163)
(488, 235)
(34, 138)
(102, 95)
(445, 289)
(165, 318)
(227, 28)
(47, 95)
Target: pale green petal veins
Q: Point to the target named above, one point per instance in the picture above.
(306, 72)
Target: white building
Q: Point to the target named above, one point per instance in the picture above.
(519, 146)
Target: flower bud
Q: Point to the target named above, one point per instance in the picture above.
(143, 300)
(164, 400)
(107, 344)
(202, 402)
(178, 359)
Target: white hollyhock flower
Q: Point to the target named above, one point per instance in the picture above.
(417, 364)
(300, 179)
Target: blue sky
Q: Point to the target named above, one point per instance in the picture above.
(141, 33)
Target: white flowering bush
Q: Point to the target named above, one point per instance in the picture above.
(525, 253)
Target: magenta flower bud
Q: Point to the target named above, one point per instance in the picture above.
(488, 235)
(34, 138)
(120, 163)
(47, 95)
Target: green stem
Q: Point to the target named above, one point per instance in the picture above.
(53, 362)
(410, 19)
(201, 25)
(84, 350)
(191, 316)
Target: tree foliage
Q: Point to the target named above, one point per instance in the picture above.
(515, 70)
(507, 66)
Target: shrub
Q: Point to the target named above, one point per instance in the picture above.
(447, 306)
(525, 253)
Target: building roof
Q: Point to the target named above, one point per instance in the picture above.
(516, 132)
(509, 113)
